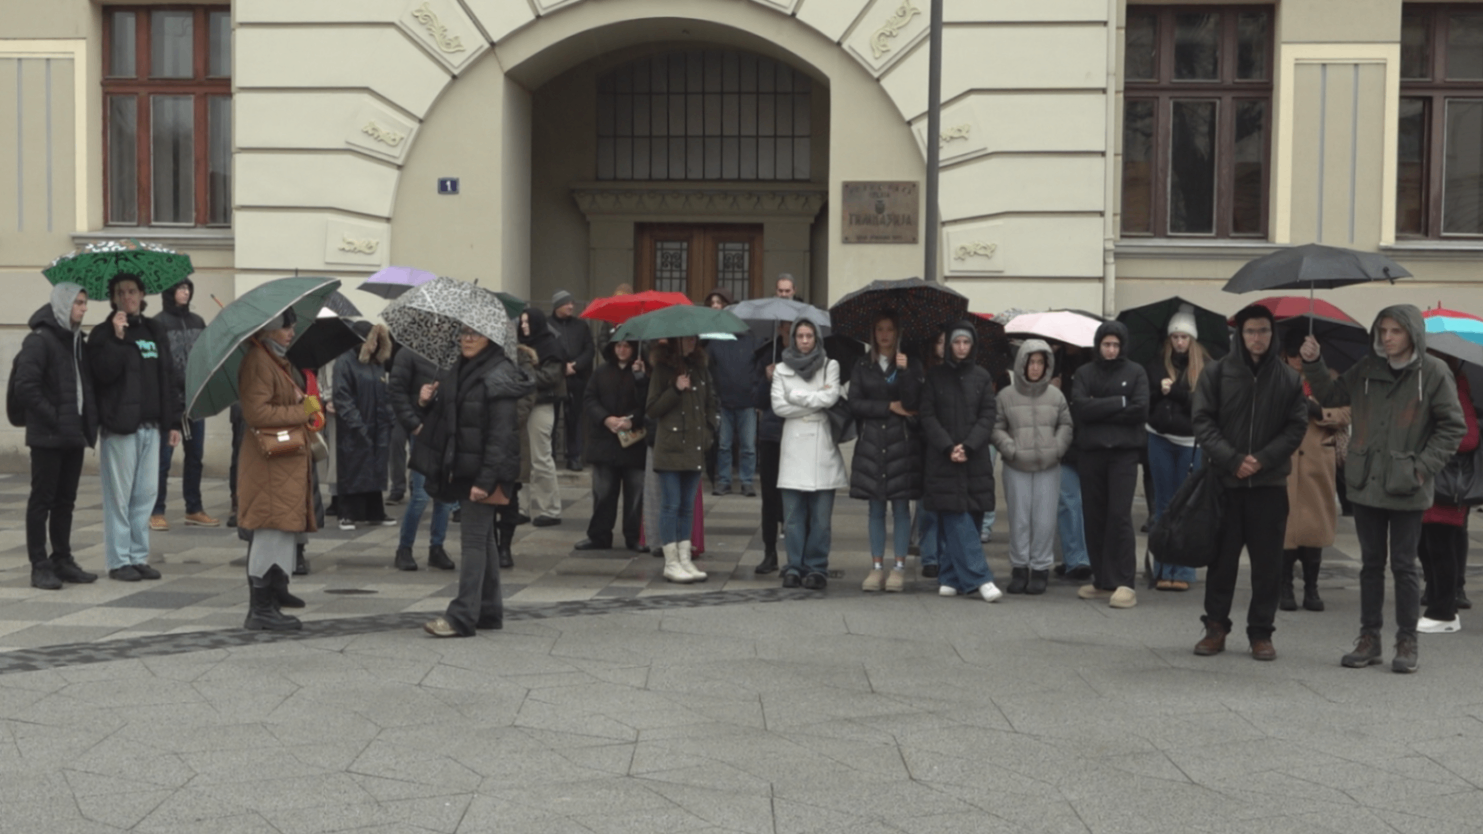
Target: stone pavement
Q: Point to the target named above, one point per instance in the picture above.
(613, 701)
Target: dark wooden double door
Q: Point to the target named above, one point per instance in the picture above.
(695, 258)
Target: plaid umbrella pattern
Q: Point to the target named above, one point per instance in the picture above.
(428, 318)
(921, 308)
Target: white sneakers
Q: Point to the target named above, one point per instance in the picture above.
(1426, 625)
(947, 591)
(989, 592)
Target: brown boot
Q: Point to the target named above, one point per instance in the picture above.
(1214, 642)
(1263, 650)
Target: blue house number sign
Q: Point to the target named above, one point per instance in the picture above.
(448, 185)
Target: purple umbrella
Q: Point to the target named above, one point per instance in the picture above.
(392, 281)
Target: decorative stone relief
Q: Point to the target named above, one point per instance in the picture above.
(441, 39)
(445, 29)
(955, 133)
(962, 133)
(601, 201)
(357, 244)
(364, 246)
(975, 249)
(375, 129)
(880, 41)
(887, 30)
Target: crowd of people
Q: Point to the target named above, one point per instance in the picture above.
(1284, 437)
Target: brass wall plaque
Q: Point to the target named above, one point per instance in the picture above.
(881, 212)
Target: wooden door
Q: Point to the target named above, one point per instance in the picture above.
(695, 258)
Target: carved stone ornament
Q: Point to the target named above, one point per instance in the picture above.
(692, 203)
(954, 133)
(975, 249)
(880, 42)
(383, 135)
(441, 39)
(360, 246)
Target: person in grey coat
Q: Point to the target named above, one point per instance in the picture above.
(363, 420)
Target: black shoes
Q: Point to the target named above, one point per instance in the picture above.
(1080, 573)
(437, 557)
(1311, 600)
(67, 570)
(574, 466)
(1019, 580)
(125, 574)
(301, 563)
(546, 521)
(633, 545)
(1038, 580)
(1286, 601)
(281, 595)
(44, 576)
(589, 544)
(1366, 652)
(748, 490)
(929, 571)
(457, 517)
(504, 536)
(721, 489)
(404, 560)
(147, 572)
(815, 582)
(792, 580)
(1406, 658)
(1463, 603)
(262, 610)
(769, 563)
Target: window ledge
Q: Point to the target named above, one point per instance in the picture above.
(1199, 250)
(173, 238)
(1435, 250)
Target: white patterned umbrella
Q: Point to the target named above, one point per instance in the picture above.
(428, 317)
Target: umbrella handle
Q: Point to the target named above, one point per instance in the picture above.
(218, 302)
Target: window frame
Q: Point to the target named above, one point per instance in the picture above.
(201, 87)
(1228, 92)
(1435, 91)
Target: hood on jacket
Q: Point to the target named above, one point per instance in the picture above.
(818, 332)
(167, 298)
(541, 339)
(610, 351)
(62, 297)
(1409, 317)
(1022, 359)
(377, 345)
(947, 344)
(726, 298)
(1110, 328)
(1238, 342)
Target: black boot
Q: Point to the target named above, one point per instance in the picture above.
(769, 563)
(1286, 600)
(67, 570)
(404, 559)
(1311, 600)
(1038, 580)
(262, 612)
(281, 596)
(44, 576)
(437, 557)
(504, 536)
(1019, 580)
(301, 564)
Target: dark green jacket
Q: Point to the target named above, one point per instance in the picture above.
(1407, 422)
(683, 422)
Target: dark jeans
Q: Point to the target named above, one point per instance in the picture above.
(1109, 477)
(195, 447)
(1442, 549)
(478, 604)
(808, 516)
(1400, 530)
(769, 457)
(571, 417)
(1255, 519)
(606, 482)
(396, 462)
(54, 477)
(363, 506)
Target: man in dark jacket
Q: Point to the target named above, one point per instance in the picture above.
(182, 327)
(575, 338)
(613, 406)
(1109, 403)
(734, 370)
(54, 385)
(1249, 417)
(132, 375)
(410, 371)
(1407, 423)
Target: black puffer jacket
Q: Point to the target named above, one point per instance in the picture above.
(182, 328)
(363, 417)
(410, 371)
(474, 435)
(1250, 408)
(46, 384)
(958, 408)
(118, 370)
(614, 391)
(1169, 414)
(769, 425)
(888, 454)
(575, 337)
(1109, 399)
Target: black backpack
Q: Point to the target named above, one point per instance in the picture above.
(1188, 533)
(15, 410)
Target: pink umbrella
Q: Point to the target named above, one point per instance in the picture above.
(1061, 325)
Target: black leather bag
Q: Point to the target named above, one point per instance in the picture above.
(842, 422)
(1460, 483)
(1188, 533)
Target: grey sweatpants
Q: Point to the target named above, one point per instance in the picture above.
(1032, 499)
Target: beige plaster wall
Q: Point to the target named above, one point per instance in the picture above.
(1340, 21)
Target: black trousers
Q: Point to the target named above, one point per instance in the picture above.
(606, 482)
(1255, 520)
(769, 458)
(396, 462)
(571, 417)
(54, 477)
(1109, 477)
(1388, 536)
(1442, 549)
(1310, 557)
(478, 604)
(363, 506)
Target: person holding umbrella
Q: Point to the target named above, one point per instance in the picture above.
(1172, 453)
(613, 405)
(805, 384)
(410, 371)
(682, 411)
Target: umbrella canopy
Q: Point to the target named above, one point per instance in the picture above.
(1148, 325)
(616, 309)
(764, 314)
(94, 265)
(341, 305)
(677, 321)
(1312, 266)
(994, 352)
(216, 357)
(392, 281)
(845, 351)
(921, 308)
(1342, 345)
(1285, 307)
(428, 318)
(1062, 325)
(514, 305)
(323, 342)
(1465, 325)
(1454, 345)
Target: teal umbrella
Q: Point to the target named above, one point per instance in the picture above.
(677, 321)
(211, 371)
(94, 265)
(514, 305)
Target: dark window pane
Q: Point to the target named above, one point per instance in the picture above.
(1465, 46)
(1410, 175)
(219, 160)
(730, 72)
(695, 159)
(785, 78)
(1192, 168)
(676, 115)
(672, 265)
(677, 72)
(172, 51)
(1196, 46)
(731, 115)
(801, 159)
(605, 107)
(694, 115)
(605, 166)
(172, 159)
(747, 65)
(713, 158)
(1462, 174)
(802, 115)
(767, 76)
(659, 116)
(713, 114)
(641, 159)
(123, 159)
(748, 114)
(641, 75)
(767, 115)
(641, 115)
(1249, 191)
(784, 161)
(785, 115)
(1251, 46)
(694, 72)
(622, 115)
(1139, 60)
(219, 27)
(1416, 53)
(734, 268)
(748, 159)
(621, 80)
(676, 158)
(623, 158)
(659, 159)
(730, 159)
(1138, 121)
(767, 159)
(712, 71)
(121, 44)
(659, 76)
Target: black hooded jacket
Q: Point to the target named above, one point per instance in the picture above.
(46, 384)
(127, 395)
(614, 391)
(1109, 398)
(575, 337)
(475, 437)
(552, 359)
(182, 328)
(410, 371)
(958, 407)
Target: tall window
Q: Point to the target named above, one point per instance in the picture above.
(1439, 178)
(704, 115)
(167, 116)
(1197, 121)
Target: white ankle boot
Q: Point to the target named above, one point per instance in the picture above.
(696, 574)
(673, 570)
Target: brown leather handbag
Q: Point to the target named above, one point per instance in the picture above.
(282, 442)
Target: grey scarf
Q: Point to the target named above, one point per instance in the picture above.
(806, 364)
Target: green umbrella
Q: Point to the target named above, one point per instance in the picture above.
(1148, 326)
(211, 371)
(94, 265)
(514, 305)
(677, 321)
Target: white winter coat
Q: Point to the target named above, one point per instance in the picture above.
(811, 462)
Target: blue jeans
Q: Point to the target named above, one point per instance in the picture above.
(806, 520)
(1169, 463)
(1070, 525)
(963, 567)
(677, 505)
(739, 424)
(901, 526)
(417, 501)
(194, 447)
(927, 524)
(130, 467)
(991, 515)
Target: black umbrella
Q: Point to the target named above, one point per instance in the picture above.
(846, 352)
(1148, 326)
(341, 305)
(1311, 266)
(323, 342)
(1342, 345)
(921, 308)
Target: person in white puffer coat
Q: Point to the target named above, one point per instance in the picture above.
(804, 385)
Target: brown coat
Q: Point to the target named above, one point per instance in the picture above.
(1312, 499)
(272, 494)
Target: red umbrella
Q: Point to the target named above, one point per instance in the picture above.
(1285, 307)
(617, 309)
